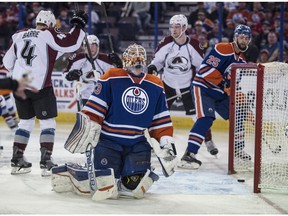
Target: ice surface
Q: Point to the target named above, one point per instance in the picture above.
(208, 190)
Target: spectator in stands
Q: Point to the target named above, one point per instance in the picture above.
(272, 46)
(30, 19)
(251, 54)
(204, 43)
(207, 23)
(214, 15)
(197, 30)
(193, 17)
(263, 57)
(285, 55)
(94, 16)
(64, 20)
(261, 38)
(237, 16)
(5, 33)
(140, 10)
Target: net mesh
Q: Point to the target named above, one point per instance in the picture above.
(274, 140)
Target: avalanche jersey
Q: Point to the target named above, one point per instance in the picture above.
(37, 50)
(215, 66)
(125, 105)
(178, 61)
(80, 61)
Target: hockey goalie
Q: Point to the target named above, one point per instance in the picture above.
(110, 131)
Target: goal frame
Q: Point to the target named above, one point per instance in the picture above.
(258, 122)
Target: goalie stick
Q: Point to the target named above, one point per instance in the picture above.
(156, 147)
(88, 152)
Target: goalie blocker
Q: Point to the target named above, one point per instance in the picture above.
(84, 132)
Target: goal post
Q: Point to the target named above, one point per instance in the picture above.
(258, 133)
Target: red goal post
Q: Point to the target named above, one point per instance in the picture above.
(258, 124)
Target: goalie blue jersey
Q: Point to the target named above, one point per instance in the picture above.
(125, 105)
(215, 67)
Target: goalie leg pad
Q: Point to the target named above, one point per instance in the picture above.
(70, 178)
(84, 132)
(143, 186)
(106, 185)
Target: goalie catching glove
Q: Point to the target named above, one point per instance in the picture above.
(84, 133)
(166, 155)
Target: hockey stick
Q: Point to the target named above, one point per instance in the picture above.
(88, 152)
(80, 101)
(156, 147)
(107, 26)
(86, 42)
(176, 96)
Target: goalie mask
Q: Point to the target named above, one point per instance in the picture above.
(46, 17)
(181, 20)
(134, 57)
(94, 43)
(242, 37)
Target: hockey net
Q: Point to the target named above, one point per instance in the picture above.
(259, 124)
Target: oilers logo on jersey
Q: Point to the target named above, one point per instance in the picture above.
(135, 100)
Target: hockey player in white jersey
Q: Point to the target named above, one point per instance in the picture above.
(124, 104)
(80, 68)
(7, 104)
(180, 56)
(36, 50)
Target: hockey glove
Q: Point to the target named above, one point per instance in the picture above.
(116, 61)
(73, 75)
(79, 19)
(167, 155)
(152, 70)
(226, 83)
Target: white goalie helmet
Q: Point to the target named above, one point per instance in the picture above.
(46, 17)
(134, 56)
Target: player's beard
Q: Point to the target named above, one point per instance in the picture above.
(242, 47)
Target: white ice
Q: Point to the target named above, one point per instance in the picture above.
(209, 190)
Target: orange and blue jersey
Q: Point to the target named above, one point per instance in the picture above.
(125, 105)
(215, 67)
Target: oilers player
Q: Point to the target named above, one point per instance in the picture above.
(211, 87)
(36, 50)
(180, 56)
(80, 68)
(125, 103)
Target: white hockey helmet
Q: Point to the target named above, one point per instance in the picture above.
(92, 39)
(179, 19)
(46, 17)
(134, 56)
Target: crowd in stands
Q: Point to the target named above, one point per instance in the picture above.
(262, 17)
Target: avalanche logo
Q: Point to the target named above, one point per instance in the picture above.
(135, 100)
(178, 62)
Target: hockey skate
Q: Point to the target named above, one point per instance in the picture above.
(46, 162)
(189, 161)
(18, 163)
(211, 148)
(242, 155)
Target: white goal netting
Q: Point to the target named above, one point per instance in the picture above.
(273, 167)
